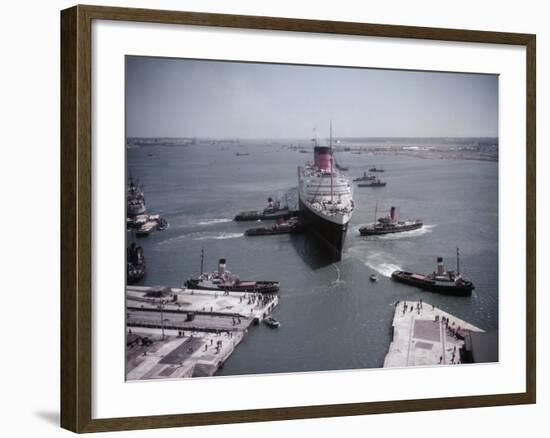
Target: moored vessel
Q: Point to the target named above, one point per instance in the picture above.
(135, 263)
(325, 198)
(135, 199)
(137, 217)
(389, 224)
(445, 282)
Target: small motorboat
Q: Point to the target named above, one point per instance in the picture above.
(373, 277)
(272, 322)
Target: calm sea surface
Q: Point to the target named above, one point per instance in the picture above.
(332, 317)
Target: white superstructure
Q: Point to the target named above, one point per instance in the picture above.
(326, 193)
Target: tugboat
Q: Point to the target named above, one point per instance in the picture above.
(135, 200)
(389, 224)
(365, 177)
(135, 264)
(376, 169)
(273, 210)
(374, 183)
(145, 224)
(223, 280)
(293, 225)
(445, 282)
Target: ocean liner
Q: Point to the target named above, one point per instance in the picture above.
(326, 198)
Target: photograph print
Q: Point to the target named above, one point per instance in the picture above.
(287, 218)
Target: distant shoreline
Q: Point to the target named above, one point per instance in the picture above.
(449, 148)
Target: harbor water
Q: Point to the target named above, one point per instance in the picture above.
(332, 317)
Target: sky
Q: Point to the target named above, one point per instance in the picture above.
(217, 99)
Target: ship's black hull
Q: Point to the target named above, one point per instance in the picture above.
(464, 289)
(333, 236)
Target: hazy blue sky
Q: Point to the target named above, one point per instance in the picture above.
(188, 98)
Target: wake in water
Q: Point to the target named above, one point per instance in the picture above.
(214, 221)
(384, 269)
(219, 236)
(426, 229)
(336, 282)
(171, 240)
(199, 236)
(382, 263)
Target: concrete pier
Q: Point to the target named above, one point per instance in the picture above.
(425, 335)
(245, 304)
(176, 333)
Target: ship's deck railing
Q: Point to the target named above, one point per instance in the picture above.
(333, 210)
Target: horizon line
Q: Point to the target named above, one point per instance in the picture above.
(307, 137)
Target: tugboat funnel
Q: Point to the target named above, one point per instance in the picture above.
(392, 213)
(440, 266)
(221, 268)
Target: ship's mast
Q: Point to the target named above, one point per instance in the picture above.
(375, 212)
(202, 261)
(331, 166)
(314, 137)
(457, 262)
